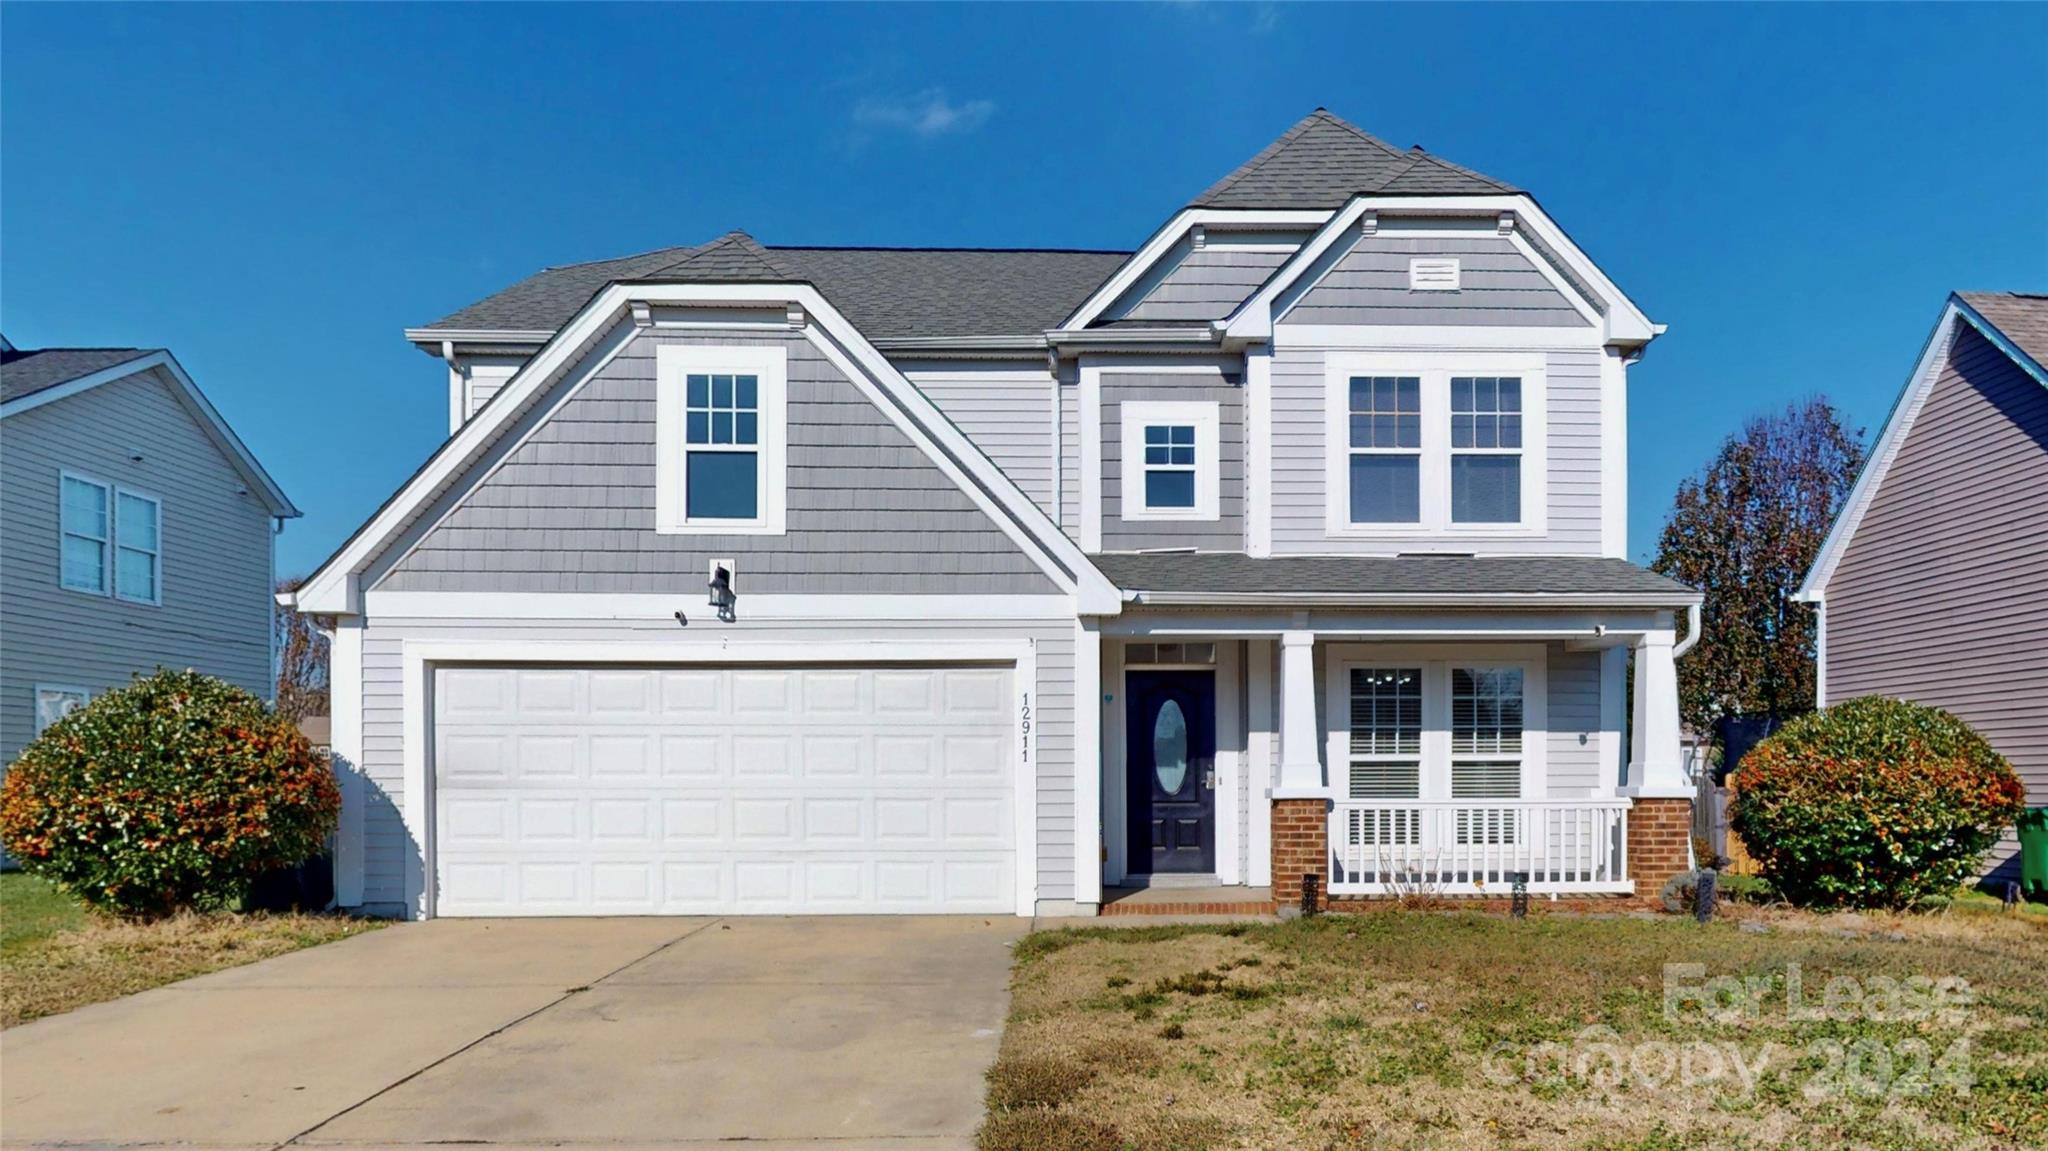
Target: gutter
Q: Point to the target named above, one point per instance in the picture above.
(1415, 599)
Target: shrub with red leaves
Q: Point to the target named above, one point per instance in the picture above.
(1873, 803)
(176, 791)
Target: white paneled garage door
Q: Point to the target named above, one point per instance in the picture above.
(690, 790)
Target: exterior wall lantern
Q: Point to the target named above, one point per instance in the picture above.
(720, 586)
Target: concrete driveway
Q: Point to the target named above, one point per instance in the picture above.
(632, 1033)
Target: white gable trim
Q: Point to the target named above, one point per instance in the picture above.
(337, 588)
(1897, 426)
(195, 401)
(1623, 323)
(1145, 259)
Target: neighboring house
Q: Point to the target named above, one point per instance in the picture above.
(1933, 583)
(1291, 544)
(135, 533)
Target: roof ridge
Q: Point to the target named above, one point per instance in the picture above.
(1355, 130)
(1263, 156)
(621, 259)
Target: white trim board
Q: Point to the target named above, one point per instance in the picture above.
(693, 603)
(1163, 241)
(336, 586)
(1898, 425)
(217, 429)
(421, 657)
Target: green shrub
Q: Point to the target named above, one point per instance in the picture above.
(1872, 803)
(175, 791)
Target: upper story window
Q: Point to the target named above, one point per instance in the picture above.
(720, 438)
(1486, 449)
(1385, 427)
(111, 540)
(1170, 465)
(1430, 442)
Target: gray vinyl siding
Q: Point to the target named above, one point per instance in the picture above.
(1498, 286)
(387, 844)
(1008, 414)
(1572, 415)
(571, 506)
(1226, 532)
(215, 541)
(1205, 283)
(1572, 749)
(1939, 597)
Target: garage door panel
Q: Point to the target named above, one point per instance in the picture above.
(702, 790)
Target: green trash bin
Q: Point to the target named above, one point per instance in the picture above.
(2034, 852)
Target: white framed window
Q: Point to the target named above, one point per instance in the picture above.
(1170, 465)
(1434, 444)
(721, 437)
(1437, 724)
(55, 701)
(110, 540)
(138, 547)
(86, 528)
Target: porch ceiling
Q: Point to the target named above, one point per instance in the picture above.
(1193, 578)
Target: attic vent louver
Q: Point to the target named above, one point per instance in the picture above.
(1437, 274)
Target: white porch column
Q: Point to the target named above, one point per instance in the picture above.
(1258, 776)
(1088, 761)
(1654, 765)
(345, 742)
(1301, 765)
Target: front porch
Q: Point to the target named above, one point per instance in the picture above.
(1385, 754)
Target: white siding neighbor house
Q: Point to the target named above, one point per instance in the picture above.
(1931, 584)
(1283, 553)
(136, 532)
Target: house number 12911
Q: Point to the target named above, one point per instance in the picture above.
(1024, 727)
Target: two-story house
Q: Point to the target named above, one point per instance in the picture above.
(1289, 547)
(136, 532)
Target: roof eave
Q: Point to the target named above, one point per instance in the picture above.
(1533, 601)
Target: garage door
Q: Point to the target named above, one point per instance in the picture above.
(675, 791)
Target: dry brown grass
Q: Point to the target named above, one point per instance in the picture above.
(1379, 1031)
(105, 958)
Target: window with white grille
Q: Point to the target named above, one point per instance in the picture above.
(1386, 750)
(1486, 748)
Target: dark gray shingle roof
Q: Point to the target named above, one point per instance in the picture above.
(2021, 316)
(1324, 161)
(888, 293)
(1370, 576)
(26, 371)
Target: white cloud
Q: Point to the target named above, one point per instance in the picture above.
(927, 114)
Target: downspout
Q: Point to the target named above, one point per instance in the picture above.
(1692, 631)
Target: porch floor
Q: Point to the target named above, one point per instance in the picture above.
(1217, 900)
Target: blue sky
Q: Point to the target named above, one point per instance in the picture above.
(275, 192)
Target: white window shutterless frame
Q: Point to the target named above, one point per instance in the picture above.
(110, 540)
(768, 367)
(1435, 370)
(1136, 417)
(1445, 743)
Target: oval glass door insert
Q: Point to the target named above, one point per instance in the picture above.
(1170, 747)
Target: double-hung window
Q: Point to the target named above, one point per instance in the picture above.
(1384, 423)
(1384, 756)
(111, 540)
(1486, 449)
(1486, 748)
(1434, 443)
(1440, 744)
(87, 531)
(1170, 467)
(720, 439)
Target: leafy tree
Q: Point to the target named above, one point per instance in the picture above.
(1744, 531)
(301, 660)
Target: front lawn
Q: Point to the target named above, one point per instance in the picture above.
(1426, 1030)
(56, 956)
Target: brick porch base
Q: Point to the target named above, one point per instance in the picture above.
(1659, 835)
(1300, 847)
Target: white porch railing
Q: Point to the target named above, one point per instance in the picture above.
(1468, 847)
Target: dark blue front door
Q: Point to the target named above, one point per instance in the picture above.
(1170, 763)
